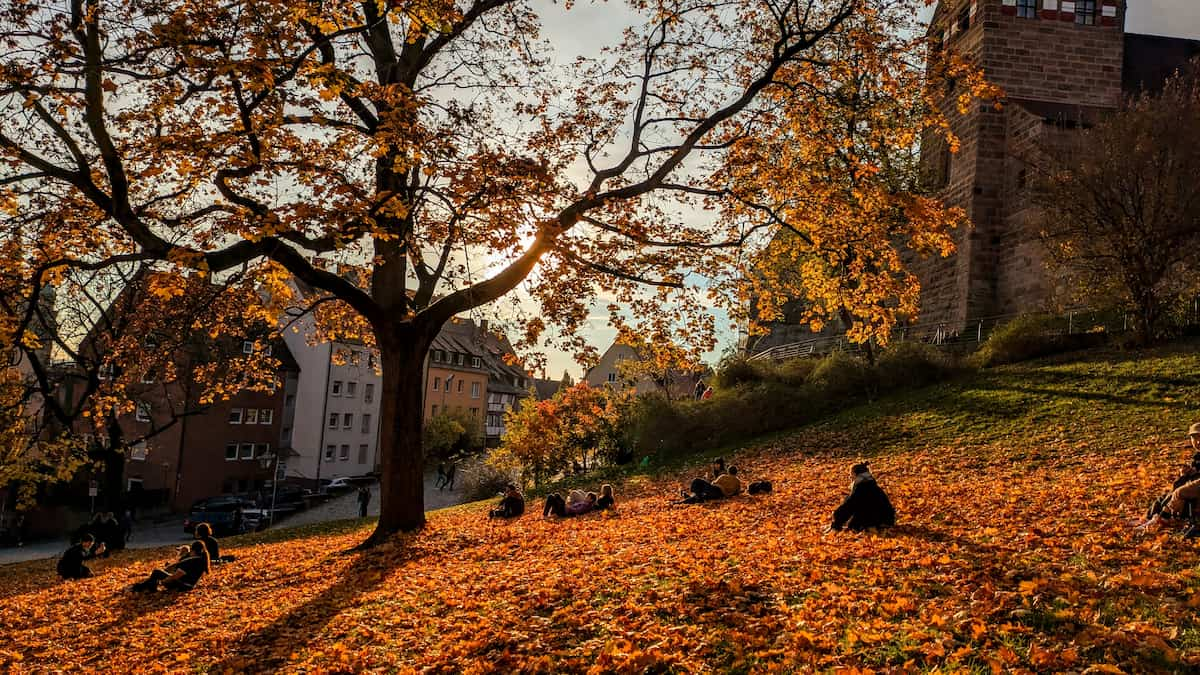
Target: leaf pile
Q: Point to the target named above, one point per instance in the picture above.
(1007, 560)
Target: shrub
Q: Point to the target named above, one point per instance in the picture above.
(795, 372)
(1029, 337)
(484, 477)
(734, 371)
(911, 364)
(841, 376)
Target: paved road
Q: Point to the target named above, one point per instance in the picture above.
(171, 532)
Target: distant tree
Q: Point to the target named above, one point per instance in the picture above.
(1120, 204)
(450, 432)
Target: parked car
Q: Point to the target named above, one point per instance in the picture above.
(219, 512)
(340, 485)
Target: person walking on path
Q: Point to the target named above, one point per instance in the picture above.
(441, 476)
(364, 498)
(450, 471)
(699, 390)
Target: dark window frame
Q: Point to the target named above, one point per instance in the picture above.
(1027, 9)
(1087, 12)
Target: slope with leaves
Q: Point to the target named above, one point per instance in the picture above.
(1014, 554)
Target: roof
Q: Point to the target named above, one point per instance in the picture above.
(1151, 59)
(546, 388)
(1066, 114)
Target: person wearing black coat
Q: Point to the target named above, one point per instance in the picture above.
(70, 565)
(511, 505)
(866, 506)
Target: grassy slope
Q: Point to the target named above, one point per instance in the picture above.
(1014, 487)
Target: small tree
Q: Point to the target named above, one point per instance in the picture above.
(451, 432)
(1121, 204)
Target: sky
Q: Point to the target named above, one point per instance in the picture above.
(589, 26)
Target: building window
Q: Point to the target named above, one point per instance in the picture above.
(247, 347)
(371, 360)
(247, 451)
(347, 420)
(448, 379)
(143, 412)
(1085, 12)
(1027, 9)
(138, 452)
(474, 390)
(336, 389)
(148, 377)
(476, 362)
(265, 416)
(369, 392)
(437, 383)
(433, 411)
(231, 450)
(355, 357)
(460, 385)
(964, 17)
(261, 449)
(329, 450)
(460, 359)
(362, 453)
(474, 412)
(351, 389)
(235, 416)
(286, 435)
(251, 415)
(333, 420)
(106, 372)
(612, 377)
(345, 453)
(437, 356)
(366, 424)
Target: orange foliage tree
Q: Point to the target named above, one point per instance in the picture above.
(837, 168)
(578, 425)
(379, 151)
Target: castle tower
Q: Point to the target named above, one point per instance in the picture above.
(1060, 65)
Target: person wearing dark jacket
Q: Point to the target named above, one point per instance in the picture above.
(866, 506)
(203, 533)
(511, 505)
(180, 576)
(111, 534)
(70, 565)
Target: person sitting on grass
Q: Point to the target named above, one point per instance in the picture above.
(727, 484)
(203, 533)
(511, 505)
(1188, 473)
(555, 506)
(580, 502)
(183, 575)
(867, 505)
(606, 500)
(70, 565)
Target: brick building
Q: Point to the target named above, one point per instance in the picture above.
(1061, 65)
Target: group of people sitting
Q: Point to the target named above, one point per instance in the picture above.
(1180, 503)
(193, 561)
(578, 502)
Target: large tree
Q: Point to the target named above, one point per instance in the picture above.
(408, 160)
(1120, 204)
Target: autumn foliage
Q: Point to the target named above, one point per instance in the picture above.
(1013, 554)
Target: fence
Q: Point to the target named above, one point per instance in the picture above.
(969, 332)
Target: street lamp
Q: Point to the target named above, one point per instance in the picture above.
(270, 460)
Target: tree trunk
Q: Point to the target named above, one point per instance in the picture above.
(401, 406)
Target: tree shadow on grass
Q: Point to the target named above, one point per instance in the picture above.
(268, 648)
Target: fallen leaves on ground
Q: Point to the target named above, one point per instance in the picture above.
(1006, 561)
